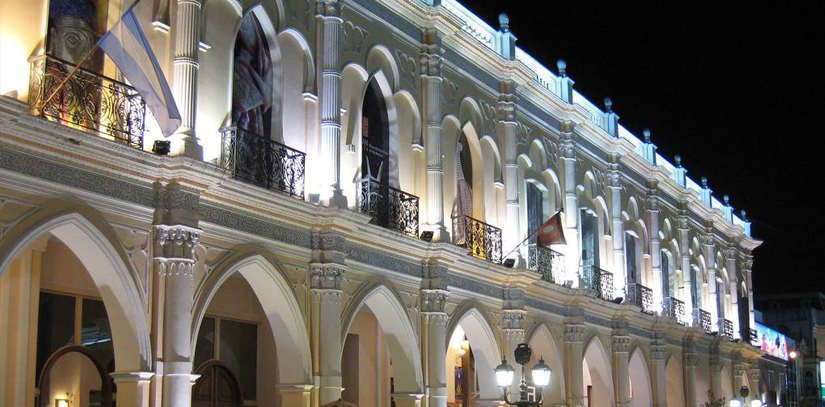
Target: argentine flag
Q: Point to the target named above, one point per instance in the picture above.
(128, 47)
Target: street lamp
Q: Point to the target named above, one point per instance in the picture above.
(744, 391)
(541, 376)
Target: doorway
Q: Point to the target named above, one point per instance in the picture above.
(216, 387)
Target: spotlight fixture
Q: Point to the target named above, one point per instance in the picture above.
(427, 236)
(161, 147)
(509, 263)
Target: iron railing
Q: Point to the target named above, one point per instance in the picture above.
(674, 308)
(263, 162)
(727, 328)
(598, 280)
(702, 318)
(481, 239)
(547, 262)
(88, 101)
(389, 207)
(753, 337)
(640, 296)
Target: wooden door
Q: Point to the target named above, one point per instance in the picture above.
(217, 387)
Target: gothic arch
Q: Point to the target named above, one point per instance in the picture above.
(642, 392)
(544, 344)
(88, 235)
(402, 338)
(280, 306)
(674, 376)
(598, 368)
(484, 344)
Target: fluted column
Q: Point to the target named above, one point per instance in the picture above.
(747, 269)
(508, 125)
(621, 363)
(709, 248)
(430, 62)
(567, 147)
(326, 328)
(328, 17)
(174, 260)
(690, 360)
(512, 328)
(614, 184)
(684, 244)
(187, 32)
(574, 356)
(434, 346)
(655, 242)
(658, 361)
(730, 263)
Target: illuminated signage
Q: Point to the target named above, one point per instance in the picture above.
(770, 341)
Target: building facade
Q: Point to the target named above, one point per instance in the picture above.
(335, 218)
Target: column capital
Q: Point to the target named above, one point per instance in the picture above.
(328, 8)
(326, 276)
(433, 301)
(506, 108)
(690, 359)
(175, 242)
(567, 144)
(658, 352)
(574, 333)
(513, 319)
(621, 344)
(614, 171)
(430, 61)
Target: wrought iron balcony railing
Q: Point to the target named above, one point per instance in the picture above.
(481, 239)
(547, 262)
(598, 280)
(389, 207)
(88, 101)
(727, 328)
(674, 308)
(753, 337)
(641, 297)
(702, 318)
(263, 162)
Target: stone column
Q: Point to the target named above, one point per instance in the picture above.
(574, 356)
(407, 400)
(133, 388)
(187, 38)
(709, 246)
(684, 243)
(326, 328)
(730, 263)
(690, 360)
(434, 346)
(738, 375)
(174, 260)
(508, 126)
(756, 379)
(567, 147)
(747, 267)
(658, 362)
(655, 244)
(716, 365)
(621, 363)
(328, 26)
(430, 64)
(614, 184)
(512, 328)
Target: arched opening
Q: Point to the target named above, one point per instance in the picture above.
(667, 275)
(727, 384)
(217, 386)
(75, 373)
(589, 224)
(252, 79)
(632, 254)
(472, 354)
(248, 320)
(597, 372)
(544, 346)
(375, 136)
(702, 372)
(380, 357)
(74, 28)
(641, 394)
(675, 383)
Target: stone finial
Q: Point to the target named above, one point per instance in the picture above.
(744, 214)
(704, 182)
(562, 65)
(678, 159)
(646, 134)
(504, 22)
(608, 105)
(726, 198)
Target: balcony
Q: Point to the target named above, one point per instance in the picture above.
(727, 328)
(263, 162)
(88, 101)
(547, 262)
(754, 337)
(598, 280)
(702, 318)
(640, 296)
(481, 239)
(389, 207)
(675, 309)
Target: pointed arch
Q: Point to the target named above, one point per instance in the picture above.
(544, 345)
(642, 392)
(484, 344)
(278, 302)
(401, 336)
(597, 367)
(380, 80)
(675, 382)
(91, 239)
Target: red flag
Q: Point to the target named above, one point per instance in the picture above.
(551, 232)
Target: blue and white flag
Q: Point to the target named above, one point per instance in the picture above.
(128, 47)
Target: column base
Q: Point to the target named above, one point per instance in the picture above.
(338, 199)
(407, 400)
(133, 388)
(186, 145)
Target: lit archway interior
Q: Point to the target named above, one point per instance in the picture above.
(641, 394)
(597, 380)
(702, 381)
(544, 346)
(675, 389)
(472, 354)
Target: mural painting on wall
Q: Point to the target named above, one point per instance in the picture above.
(74, 28)
(374, 136)
(252, 79)
(464, 192)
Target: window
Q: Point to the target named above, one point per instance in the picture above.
(630, 257)
(55, 325)
(233, 343)
(375, 136)
(665, 275)
(535, 210)
(589, 233)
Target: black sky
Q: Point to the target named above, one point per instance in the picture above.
(734, 90)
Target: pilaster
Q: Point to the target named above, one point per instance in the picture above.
(621, 362)
(434, 346)
(187, 37)
(709, 247)
(655, 243)
(716, 365)
(614, 185)
(567, 148)
(692, 301)
(690, 359)
(658, 362)
(574, 356)
(508, 126)
(512, 328)
(431, 96)
(730, 264)
(746, 262)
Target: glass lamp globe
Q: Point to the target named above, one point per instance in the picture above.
(756, 403)
(542, 373)
(504, 374)
(735, 403)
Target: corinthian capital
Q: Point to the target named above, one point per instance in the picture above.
(433, 300)
(326, 276)
(328, 8)
(574, 333)
(175, 242)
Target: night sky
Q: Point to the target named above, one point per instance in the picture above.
(735, 91)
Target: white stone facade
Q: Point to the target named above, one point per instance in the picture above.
(164, 241)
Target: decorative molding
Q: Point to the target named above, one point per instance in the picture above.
(13, 211)
(433, 301)
(489, 116)
(512, 319)
(408, 69)
(354, 37)
(621, 344)
(326, 276)
(574, 333)
(175, 242)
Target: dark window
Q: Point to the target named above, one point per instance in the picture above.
(96, 333)
(205, 348)
(535, 210)
(252, 79)
(375, 131)
(590, 231)
(665, 275)
(630, 257)
(55, 325)
(239, 350)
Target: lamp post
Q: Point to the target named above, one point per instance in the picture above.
(541, 376)
(743, 392)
